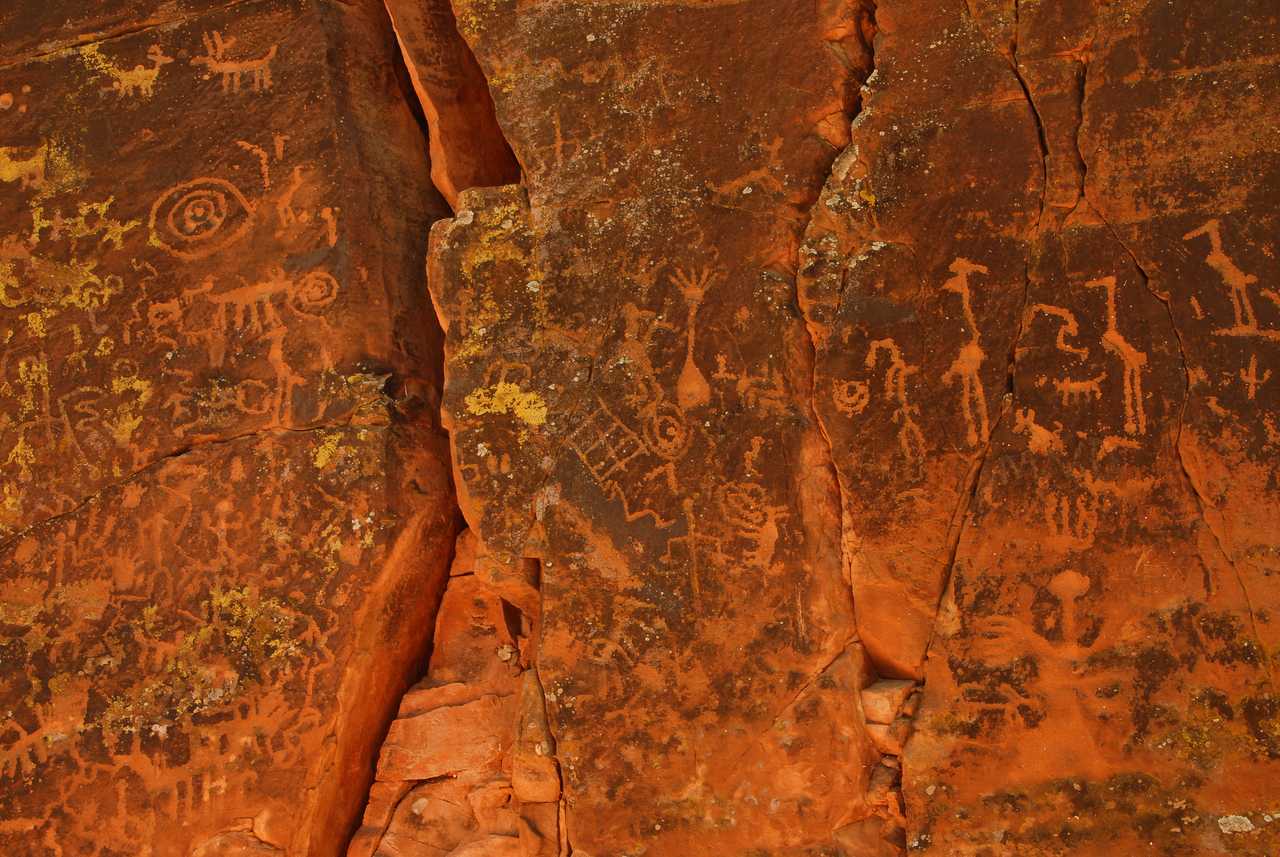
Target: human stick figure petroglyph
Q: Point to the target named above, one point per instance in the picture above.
(700, 554)
(232, 70)
(1135, 415)
(692, 390)
(973, 398)
(1250, 377)
(895, 389)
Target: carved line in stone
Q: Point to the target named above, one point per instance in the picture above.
(1135, 415)
(233, 70)
(199, 217)
(966, 367)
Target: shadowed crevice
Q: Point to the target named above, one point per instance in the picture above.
(468, 148)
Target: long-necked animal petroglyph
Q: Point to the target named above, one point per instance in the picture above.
(1135, 415)
(967, 364)
(895, 390)
(1237, 282)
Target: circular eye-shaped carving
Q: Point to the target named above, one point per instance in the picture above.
(313, 291)
(851, 397)
(199, 217)
(667, 434)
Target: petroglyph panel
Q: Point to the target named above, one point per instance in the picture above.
(213, 582)
(676, 497)
(159, 290)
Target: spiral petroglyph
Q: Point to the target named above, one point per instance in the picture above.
(313, 291)
(199, 217)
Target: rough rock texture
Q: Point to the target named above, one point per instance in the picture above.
(467, 146)
(863, 415)
(628, 398)
(221, 541)
(449, 776)
(1043, 336)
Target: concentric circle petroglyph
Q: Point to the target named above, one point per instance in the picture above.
(313, 291)
(199, 217)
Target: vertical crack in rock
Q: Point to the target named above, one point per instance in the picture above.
(973, 478)
(468, 148)
(1211, 515)
(595, 424)
(1026, 90)
(1214, 522)
(469, 154)
(859, 60)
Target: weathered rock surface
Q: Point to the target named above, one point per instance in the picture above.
(450, 776)
(848, 471)
(1017, 277)
(221, 541)
(467, 146)
(628, 397)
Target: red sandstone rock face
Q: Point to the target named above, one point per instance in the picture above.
(1015, 290)
(628, 400)
(467, 146)
(221, 541)
(833, 488)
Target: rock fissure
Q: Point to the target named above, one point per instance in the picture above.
(712, 557)
(1216, 528)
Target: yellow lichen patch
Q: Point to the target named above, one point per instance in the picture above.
(327, 451)
(93, 220)
(242, 638)
(35, 325)
(29, 170)
(507, 398)
(482, 321)
(868, 196)
(45, 281)
(21, 601)
(33, 377)
(22, 457)
(126, 423)
(60, 175)
(10, 509)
